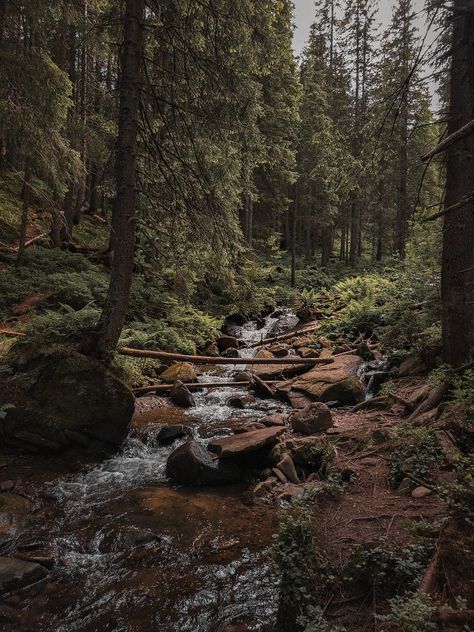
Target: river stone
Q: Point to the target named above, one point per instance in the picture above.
(231, 352)
(276, 419)
(182, 371)
(17, 574)
(71, 392)
(181, 395)
(240, 401)
(313, 452)
(169, 434)
(307, 352)
(227, 342)
(191, 464)
(333, 382)
(236, 445)
(316, 417)
(279, 350)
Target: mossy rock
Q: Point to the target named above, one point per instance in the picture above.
(64, 401)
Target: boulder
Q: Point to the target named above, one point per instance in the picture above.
(182, 371)
(231, 352)
(264, 353)
(65, 394)
(302, 341)
(242, 376)
(191, 464)
(181, 395)
(18, 574)
(240, 401)
(236, 445)
(279, 350)
(421, 492)
(333, 382)
(316, 417)
(212, 350)
(227, 342)
(283, 324)
(169, 434)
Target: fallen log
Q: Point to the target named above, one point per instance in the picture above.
(179, 357)
(11, 332)
(291, 334)
(436, 395)
(165, 388)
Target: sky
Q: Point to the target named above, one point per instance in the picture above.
(304, 15)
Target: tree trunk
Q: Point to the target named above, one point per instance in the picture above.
(124, 213)
(293, 238)
(458, 232)
(24, 213)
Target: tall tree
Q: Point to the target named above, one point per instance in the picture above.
(124, 218)
(458, 228)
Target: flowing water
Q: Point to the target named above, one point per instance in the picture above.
(137, 553)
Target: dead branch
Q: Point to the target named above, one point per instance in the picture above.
(467, 199)
(449, 140)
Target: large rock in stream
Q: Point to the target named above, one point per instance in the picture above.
(62, 400)
(240, 444)
(191, 464)
(338, 381)
(18, 574)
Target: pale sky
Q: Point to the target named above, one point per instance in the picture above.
(304, 16)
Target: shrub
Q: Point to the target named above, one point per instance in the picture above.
(415, 451)
(387, 572)
(412, 613)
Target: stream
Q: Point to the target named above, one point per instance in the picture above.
(137, 553)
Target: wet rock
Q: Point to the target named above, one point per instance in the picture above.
(191, 464)
(231, 352)
(182, 371)
(337, 381)
(421, 492)
(283, 324)
(212, 351)
(306, 352)
(278, 350)
(181, 395)
(240, 401)
(287, 466)
(17, 574)
(243, 376)
(72, 392)
(236, 445)
(169, 434)
(6, 486)
(277, 419)
(262, 389)
(316, 417)
(227, 342)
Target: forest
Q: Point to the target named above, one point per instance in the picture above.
(236, 316)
